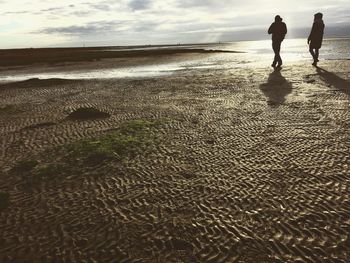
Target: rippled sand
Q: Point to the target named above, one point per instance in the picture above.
(252, 166)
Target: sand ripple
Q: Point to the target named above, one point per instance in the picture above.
(250, 168)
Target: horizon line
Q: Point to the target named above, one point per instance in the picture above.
(158, 45)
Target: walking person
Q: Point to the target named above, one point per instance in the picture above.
(316, 37)
(278, 29)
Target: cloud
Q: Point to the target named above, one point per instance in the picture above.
(15, 12)
(101, 7)
(160, 21)
(210, 4)
(140, 4)
(94, 29)
(52, 9)
(145, 26)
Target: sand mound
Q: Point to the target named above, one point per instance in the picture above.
(88, 113)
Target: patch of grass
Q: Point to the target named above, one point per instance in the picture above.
(4, 200)
(129, 139)
(137, 126)
(48, 171)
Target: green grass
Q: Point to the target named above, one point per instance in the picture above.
(129, 139)
(4, 200)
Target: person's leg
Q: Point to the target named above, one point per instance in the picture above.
(312, 53)
(279, 59)
(317, 52)
(274, 47)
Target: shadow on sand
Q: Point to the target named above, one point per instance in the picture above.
(334, 80)
(276, 89)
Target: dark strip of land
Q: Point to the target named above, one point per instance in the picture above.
(24, 57)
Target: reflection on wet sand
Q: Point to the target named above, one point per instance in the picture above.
(276, 88)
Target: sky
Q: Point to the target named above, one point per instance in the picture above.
(48, 23)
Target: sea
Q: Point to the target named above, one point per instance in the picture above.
(251, 54)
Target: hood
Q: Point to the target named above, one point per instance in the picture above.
(278, 19)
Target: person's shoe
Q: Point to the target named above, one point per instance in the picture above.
(315, 63)
(273, 65)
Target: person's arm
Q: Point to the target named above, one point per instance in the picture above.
(285, 29)
(270, 31)
(323, 27)
(311, 33)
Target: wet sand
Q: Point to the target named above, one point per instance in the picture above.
(252, 165)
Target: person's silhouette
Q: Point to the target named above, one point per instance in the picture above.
(316, 36)
(278, 29)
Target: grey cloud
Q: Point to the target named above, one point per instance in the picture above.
(16, 13)
(51, 10)
(145, 26)
(140, 4)
(82, 9)
(82, 13)
(94, 29)
(209, 3)
(101, 6)
(181, 20)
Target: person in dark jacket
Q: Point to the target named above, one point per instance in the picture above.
(316, 36)
(278, 29)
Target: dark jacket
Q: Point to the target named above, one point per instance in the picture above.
(278, 31)
(316, 34)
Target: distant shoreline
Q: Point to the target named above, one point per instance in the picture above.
(181, 45)
(26, 57)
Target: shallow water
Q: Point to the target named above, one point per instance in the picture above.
(293, 49)
(256, 53)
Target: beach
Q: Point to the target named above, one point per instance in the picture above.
(231, 162)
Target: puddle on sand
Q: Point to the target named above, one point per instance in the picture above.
(110, 73)
(129, 72)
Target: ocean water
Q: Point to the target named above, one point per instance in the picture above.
(293, 49)
(253, 54)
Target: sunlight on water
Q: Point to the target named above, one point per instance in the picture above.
(256, 54)
(295, 49)
(110, 73)
(127, 72)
